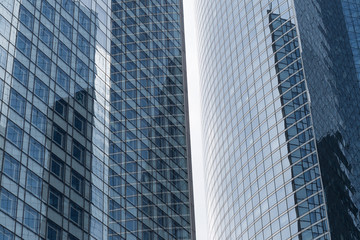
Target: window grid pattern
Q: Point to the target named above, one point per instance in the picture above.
(149, 160)
(61, 66)
(42, 95)
(261, 163)
(333, 83)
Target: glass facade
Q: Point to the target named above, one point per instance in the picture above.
(149, 161)
(280, 96)
(94, 129)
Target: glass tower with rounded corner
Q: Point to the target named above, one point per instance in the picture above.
(280, 110)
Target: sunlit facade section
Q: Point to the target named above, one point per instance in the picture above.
(261, 161)
(94, 134)
(54, 96)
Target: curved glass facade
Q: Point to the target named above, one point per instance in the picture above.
(93, 128)
(280, 97)
(261, 154)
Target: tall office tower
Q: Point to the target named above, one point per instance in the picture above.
(93, 128)
(280, 95)
(149, 166)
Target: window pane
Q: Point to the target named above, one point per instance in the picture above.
(55, 199)
(84, 21)
(75, 214)
(5, 29)
(97, 197)
(5, 234)
(20, 72)
(66, 28)
(43, 62)
(23, 44)
(59, 136)
(79, 123)
(33, 183)
(56, 166)
(11, 167)
(53, 231)
(26, 17)
(68, 5)
(14, 134)
(82, 69)
(78, 151)
(96, 228)
(17, 102)
(76, 181)
(63, 79)
(38, 119)
(60, 106)
(46, 36)
(8, 202)
(48, 11)
(31, 218)
(3, 57)
(41, 90)
(80, 95)
(83, 45)
(64, 53)
(36, 151)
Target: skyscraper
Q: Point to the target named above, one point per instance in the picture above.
(94, 136)
(280, 96)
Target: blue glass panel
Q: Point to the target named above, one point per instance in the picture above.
(14, 134)
(60, 106)
(97, 197)
(36, 150)
(8, 202)
(11, 167)
(23, 44)
(66, 28)
(59, 136)
(78, 151)
(63, 79)
(41, 90)
(64, 53)
(84, 21)
(5, 234)
(38, 119)
(57, 166)
(55, 199)
(33, 183)
(68, 5)
(53, 231)
(3, 57)
(79, 123)
(26, 17)
(5, 30)
(31, 218)
(83, 45)
(43, 62)
(75, 214)
(48, 11)
(20, 72)
(46, 36)
(82, 69)
(76, 181)
(17, 102)
(80, 95)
